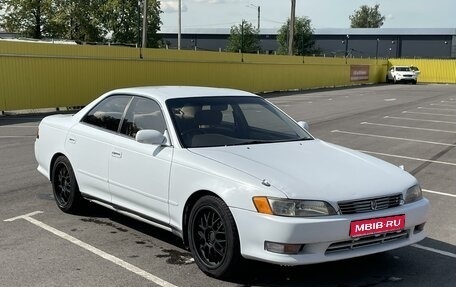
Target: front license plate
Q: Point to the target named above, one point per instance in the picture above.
(377, 225)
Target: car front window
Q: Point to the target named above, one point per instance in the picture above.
(224, 121)
(108, 113)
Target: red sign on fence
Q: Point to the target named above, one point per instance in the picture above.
(359, 73)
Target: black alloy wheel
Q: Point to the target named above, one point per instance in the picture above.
(213, 237)
(65, 187)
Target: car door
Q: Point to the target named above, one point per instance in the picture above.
(89, 145)
(139, 172)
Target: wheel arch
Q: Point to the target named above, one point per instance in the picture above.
(188, 208)
(51, 166)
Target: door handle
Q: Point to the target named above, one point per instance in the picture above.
(72, 140)
(116, 154)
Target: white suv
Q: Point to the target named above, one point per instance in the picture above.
(401, 73)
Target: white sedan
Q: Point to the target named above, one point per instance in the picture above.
(230, 174)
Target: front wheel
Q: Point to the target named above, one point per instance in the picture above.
(65, 187)
(213, 237)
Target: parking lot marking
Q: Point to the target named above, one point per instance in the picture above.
(439, 105)
(92, 249)
(407, 127)
(431, 114)
(439, 193)
(407, 157)
(438, 109)
(393, 138)
(441, 252)
(419, 120)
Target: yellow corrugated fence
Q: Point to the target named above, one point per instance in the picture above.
(41, 75)
(431, 70)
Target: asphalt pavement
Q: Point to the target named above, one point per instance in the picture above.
(410, 125)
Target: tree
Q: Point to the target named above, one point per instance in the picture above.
(303, 44)
(367, 17)
(30, 18)
(244, 38)
(124, 17)
(80, 20)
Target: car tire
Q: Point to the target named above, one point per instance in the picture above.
(414, 82)
(387, 80)
(213, 237)
(65, 186)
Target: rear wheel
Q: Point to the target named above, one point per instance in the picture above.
(213, 237)
(65, 187)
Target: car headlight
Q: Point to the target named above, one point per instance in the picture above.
(413, 194)
(292, 207)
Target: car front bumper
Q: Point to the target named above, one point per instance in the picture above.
(325, 238)
(402, 78)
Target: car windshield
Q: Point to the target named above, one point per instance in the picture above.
(231, 120)
(403, 69)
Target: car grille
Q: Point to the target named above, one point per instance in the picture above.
(367, 241)
(409, 76)
(371, 204)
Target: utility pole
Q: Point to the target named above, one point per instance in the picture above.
(144, 31)
(259, 15)
(242, 36)
(138, 41)
(291, 29)
(179, 32)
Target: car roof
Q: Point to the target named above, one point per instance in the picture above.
(164, 93)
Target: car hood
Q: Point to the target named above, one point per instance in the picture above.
(313, 169)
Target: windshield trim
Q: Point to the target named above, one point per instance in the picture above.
(238, 130)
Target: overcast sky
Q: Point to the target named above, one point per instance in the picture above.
(323, 13)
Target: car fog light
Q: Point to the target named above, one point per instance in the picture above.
(282, 248)
(419, 228)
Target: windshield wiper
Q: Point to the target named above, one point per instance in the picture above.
(268, 141)
(251, 142)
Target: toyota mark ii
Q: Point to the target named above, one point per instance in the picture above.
(231, 174)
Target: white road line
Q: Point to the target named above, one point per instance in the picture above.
(92, 249)
(411, 158)
(437, 109)
(407, 127)
(439, 193)
(438, 105)
(393, 138)
(389, 100)
(449, 254)
(432, 114)
(419, 120)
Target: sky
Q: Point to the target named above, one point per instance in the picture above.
(323, 13)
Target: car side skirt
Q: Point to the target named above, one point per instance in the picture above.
(135, 215)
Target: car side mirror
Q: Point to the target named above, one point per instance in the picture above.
(151, 137)
(304, 125)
